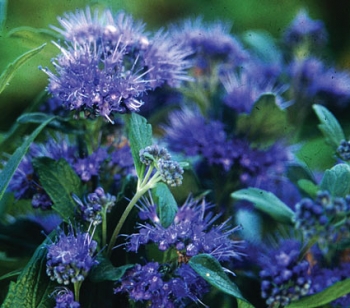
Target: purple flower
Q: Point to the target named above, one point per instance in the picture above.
(47, 222)
(70, 257)
(192, 232)
(108, 69)
(303, 30)
(344, 150)
(310, 78)
(284, 278)
(150, 284)
(93, 205)
(65, 299)
(210, 43)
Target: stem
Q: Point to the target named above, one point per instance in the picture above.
(104, 227)
(77, 286)
(140, 192)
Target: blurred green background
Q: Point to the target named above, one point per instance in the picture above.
(270, 15)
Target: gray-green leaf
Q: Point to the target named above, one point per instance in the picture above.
(106, 271)
(140, 136)
(266, 202)
(329, 126)
(211, 270)
(337, 180)
(167, 206)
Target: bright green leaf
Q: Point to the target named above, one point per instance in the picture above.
(211, 270)
(33, 287)
(59, 181)
(265, 123)
(12, 67)
(309, 187)
(329, 126)
(15, 159)
(337, 180)
(328, 295)
(140, 136)
(33, 117)
(106, 271)
(266, 202)
(167, 206)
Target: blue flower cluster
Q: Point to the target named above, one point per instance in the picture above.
(65, 299)
(284, 276)
(70, 257)
(344, 150)
(109, 62)
(192, 232)
(326, 217)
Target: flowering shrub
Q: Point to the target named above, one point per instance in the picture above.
(210, 205)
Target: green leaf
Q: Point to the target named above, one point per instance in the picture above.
(329, 126)
(309, 187)
(266, 202)
(265, 123)
(33, 287)
(140, 136)
(337, 180)
(12, 67)
(211, 270)
(33, 36)
(16, 158)
(3, 4)
(59, 181)
(263, 44)
(328, 295)
(106, 271)
(33, 117)
(167, 206)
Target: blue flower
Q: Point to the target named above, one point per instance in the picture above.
(151, 284)
(303, 30)
(284, 277)
(210, 43)
(109, 68)
(343, 150)
(70, 257)
(65, 299)
(192, 232)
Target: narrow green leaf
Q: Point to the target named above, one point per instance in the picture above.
(167, 206)
(309, 187)
(265, 123)
(140, 136)
(106, 271)
(328, 295)
(33, 36)
(33, 286)
(12, 67)
(59, 181)
(329, 126)
(33, 117)
(3, 5)
(337, 180)
(266, 202)
(211, 270)
(14, 161)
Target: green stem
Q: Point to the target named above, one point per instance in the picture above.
(77, 286)
(104, 227)
(143, 188)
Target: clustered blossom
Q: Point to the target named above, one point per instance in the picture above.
(170, 171)
(319, 217)
(65, 299)
(303, 30)
(343, 150)
(149, 283)
(210, 43)
(192, 232)
(284, 277)
(110, 62)
(93, 205)
(70, 257)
